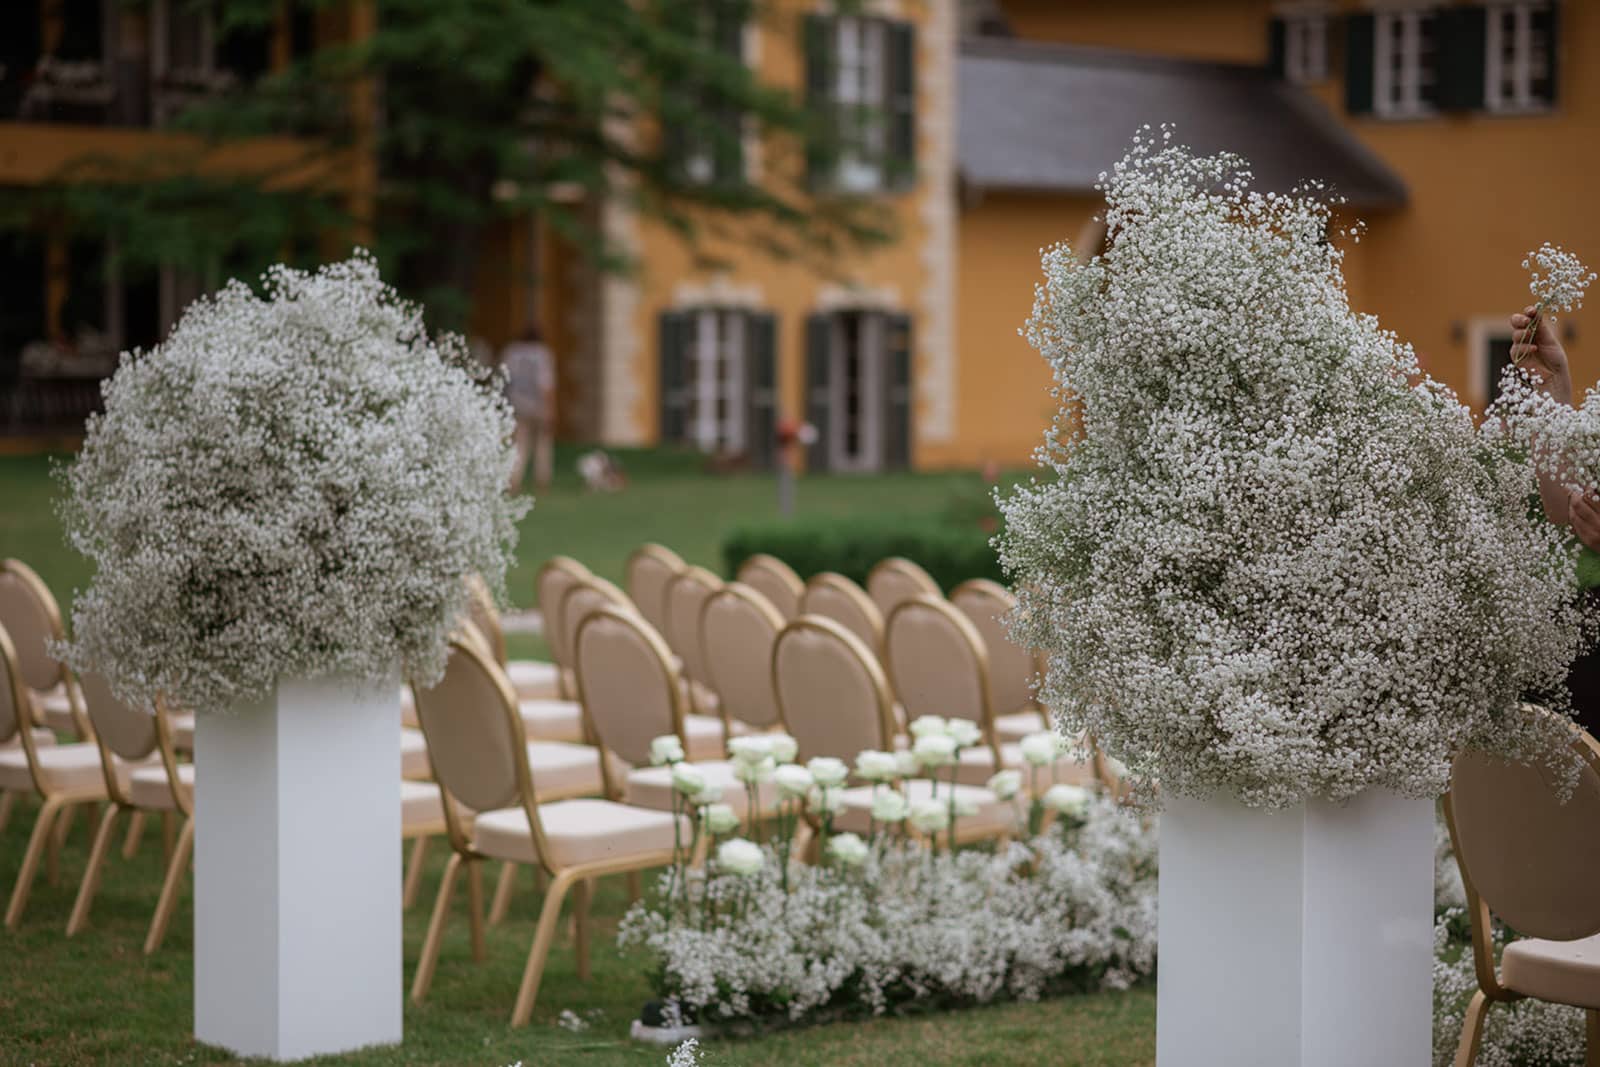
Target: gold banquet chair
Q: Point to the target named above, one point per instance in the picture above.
(834, 700)
(833, 596)
(775, 580)
(648, 571)
(1534, 861)
(633, 693)
(1013, 670)
(32, 619)
(481, 761)
(554, 579)
(894, 580)
(686, 598)
(738, 627)
(550, 717)
(530, 679)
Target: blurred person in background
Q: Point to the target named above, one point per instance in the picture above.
(531, 389)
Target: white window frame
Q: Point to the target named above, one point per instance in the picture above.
(871, 340)
(1305, 46)
(1398, 80)
(1511, 67)
(861, 95)
(716, 367)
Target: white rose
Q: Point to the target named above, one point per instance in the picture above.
(889, 806)
(740, 857)
(1005, 784)
(751, 749)
(825, 801)
(666, 749)
(755, 773)
(792, 780)
(924, 725)
(874, 766)
(1040, 749)
(719, 819)
(1069, 800)
(848, 849)
(934, 750)
(709, 793)
(966, 807)
(930, 816)
(783, 747)
(905, 763)
(964, 732)
(827, 771)
(688, 779)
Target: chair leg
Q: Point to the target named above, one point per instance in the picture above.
(633, 887)
(430, 945)
(1472, 1030)
(503, 889)
(91, 874)
(130, 846)
(1592, 1054)
(475, 906)
(52, 863)
(38, 842)
(8, 800)
(413, 883)
(167, 838)
(582, 894)
(548, 916)
(176, 870)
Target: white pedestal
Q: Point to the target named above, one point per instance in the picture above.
(297, 938)
(1297, 938)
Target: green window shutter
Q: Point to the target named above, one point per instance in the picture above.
(897, 392)
(1547, 32)
(822, 141)
(1461, 45)
(1360, 35)
(819, 381)
(1277, 47)
(902, 99)
(673, 386)
(761, 389)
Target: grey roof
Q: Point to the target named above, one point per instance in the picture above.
(1051, 118)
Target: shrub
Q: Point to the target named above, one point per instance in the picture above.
(951, 554)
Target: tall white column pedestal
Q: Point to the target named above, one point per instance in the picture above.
(297, 872)
(1297, 938)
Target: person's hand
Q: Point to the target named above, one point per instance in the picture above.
(1583, 511)
(1541, 355)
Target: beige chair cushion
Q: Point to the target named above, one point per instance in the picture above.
(414, 755)
(703, 737)
(73, 768)
(1017, 725)
(421, 809)
(408, 708)
(1567, 972)
(147, 786)
(977, 763)
(180, 726)
(561, 769)
(534, 679)
(552, 720)
(53, 709)
(994, 815)
(41, 736)
(578, 831)
(651, 787)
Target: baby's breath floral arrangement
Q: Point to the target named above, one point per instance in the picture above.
(295, 484)
(1275, 560)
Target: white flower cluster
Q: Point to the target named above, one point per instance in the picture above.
(1559, 278)
(294, 485)
(896, 923)
(1274, 560)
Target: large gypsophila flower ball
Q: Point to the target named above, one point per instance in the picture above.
(293, 485)
(1274, 559)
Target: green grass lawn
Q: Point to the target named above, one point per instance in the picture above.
(97, 1000)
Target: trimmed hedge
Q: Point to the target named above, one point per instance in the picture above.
(951, 554)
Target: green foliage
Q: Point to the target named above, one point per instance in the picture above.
(950, 553)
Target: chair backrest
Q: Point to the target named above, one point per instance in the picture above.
(483, 614)
(1013, 669)
(472, 728)
(127, 731)
(686, 598)
(650, 568)
(832, 695)
(31, 617)
(893, 581)
(775, 580)
(738, 628)
(936, 662)
(583, 600)
(833, 596)
(13, 695)
(1534, 860)
(550, 585)
(630, 687)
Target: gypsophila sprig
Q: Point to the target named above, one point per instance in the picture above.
(1558, 279)
(1274, 559)
(292, 485)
